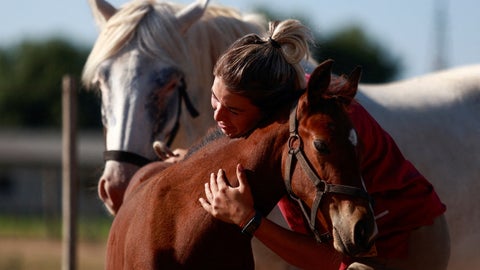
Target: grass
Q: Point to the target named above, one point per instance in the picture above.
(88, 228)
(36, 243)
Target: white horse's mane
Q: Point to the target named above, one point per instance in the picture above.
(154, 27)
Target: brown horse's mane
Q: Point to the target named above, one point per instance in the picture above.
(212, 135)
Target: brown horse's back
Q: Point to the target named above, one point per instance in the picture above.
(161, 225)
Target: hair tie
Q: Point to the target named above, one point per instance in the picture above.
(274, 43)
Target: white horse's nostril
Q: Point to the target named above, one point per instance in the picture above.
(103, 194)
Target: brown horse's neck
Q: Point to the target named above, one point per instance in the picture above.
(260, 153)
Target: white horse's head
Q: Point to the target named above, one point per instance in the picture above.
(153, 64)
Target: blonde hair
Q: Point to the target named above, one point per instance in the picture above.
(268, 69)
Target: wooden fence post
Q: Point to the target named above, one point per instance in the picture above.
(69, 173)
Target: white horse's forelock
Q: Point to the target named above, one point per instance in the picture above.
(136, 21)
(158, 36)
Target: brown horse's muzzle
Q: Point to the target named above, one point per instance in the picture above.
(353, 227)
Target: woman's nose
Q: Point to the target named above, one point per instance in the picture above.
(218, 113)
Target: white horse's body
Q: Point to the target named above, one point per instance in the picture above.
(435, 119)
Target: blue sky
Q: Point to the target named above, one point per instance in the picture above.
(404, 27)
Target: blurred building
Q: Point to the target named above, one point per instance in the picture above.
(31, 172)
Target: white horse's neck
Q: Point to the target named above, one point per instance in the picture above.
(432, 90)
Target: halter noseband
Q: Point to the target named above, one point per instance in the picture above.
(139, 160)
(295, 151)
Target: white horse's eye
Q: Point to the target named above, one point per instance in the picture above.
(353, 137)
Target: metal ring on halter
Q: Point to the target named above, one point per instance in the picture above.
(292, 140)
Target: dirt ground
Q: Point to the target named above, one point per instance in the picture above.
(43, 254)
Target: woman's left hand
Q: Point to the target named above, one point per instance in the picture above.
(164, 153)
(227, 203)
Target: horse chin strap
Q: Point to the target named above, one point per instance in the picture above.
(295, 152)
(139, 160)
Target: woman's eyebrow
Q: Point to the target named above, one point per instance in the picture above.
(228, 107)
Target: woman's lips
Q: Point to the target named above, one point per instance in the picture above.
(224, 128)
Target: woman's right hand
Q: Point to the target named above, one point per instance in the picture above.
(227, 203)
(235, 205)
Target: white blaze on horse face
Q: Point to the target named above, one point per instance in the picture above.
(353, 137)
(130, 84)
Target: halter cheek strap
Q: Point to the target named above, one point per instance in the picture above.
(191, 109)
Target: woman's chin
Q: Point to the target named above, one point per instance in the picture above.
(229, 132)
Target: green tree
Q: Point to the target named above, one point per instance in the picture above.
(351, 47)
(30, 84)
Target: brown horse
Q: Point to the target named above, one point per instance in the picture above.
(312, 146)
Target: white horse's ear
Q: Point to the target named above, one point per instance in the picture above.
(190, 14)
(102, 11)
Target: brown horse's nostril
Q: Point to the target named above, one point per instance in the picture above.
(362, 235)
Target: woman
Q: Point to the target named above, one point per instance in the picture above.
(257, 75)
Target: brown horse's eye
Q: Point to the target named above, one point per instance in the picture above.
(321, 147)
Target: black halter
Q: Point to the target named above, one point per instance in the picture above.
(295, 151)
(191, 109)
(139, 160)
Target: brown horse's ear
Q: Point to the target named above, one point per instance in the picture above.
(319, 81)
(354, 77)
(351, 87)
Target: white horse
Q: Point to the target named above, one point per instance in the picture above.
(150, 55)
(148, 58)
(435, 120)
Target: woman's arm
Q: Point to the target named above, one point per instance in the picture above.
(235, 205)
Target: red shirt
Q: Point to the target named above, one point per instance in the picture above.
(394, 183)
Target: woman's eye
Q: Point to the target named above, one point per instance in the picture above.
(234, 112)
(321, 147)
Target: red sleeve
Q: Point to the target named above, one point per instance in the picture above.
(404, 197)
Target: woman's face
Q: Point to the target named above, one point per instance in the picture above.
(235, 114)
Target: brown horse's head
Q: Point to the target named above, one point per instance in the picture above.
(324, 162)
